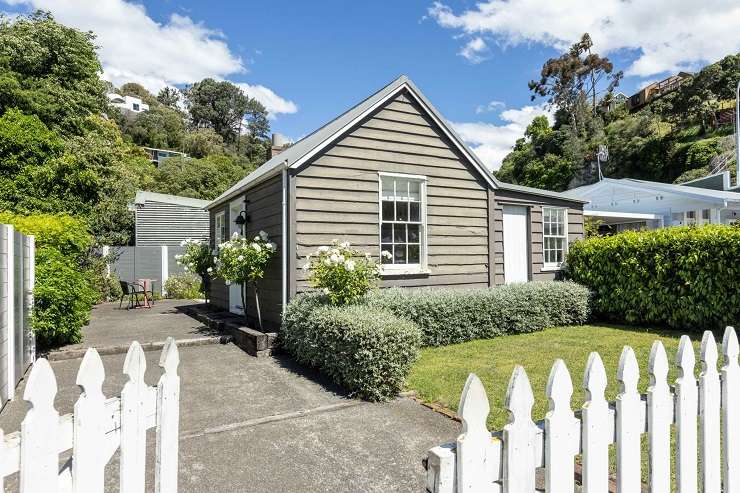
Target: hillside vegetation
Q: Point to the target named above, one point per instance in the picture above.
(675, 138)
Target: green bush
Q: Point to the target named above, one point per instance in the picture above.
(67, 234)
(63, 299)
(449, 316)
(369, 352)
(682, 277)
(183, 286)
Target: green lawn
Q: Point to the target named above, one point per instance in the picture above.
(440, 373)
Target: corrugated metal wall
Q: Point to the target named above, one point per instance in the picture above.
(158, 223)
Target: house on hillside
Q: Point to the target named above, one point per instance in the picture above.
(163, 219)
(130, 104)
(158, 156)
(629, 204)
(391, 174)
(656, 90)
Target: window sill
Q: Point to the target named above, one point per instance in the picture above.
(405, 272)
(551, 268)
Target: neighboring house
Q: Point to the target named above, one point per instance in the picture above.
(628, 204)
(157, 156)
(391, 174)
(168, 219)
(127, 103)
(656, 90)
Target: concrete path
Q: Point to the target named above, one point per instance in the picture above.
(265, 425)
(115, 329)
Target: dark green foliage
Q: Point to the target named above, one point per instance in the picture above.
(367, 351)
(49, 70)
(204, 178)
(449, 316)
(683, 277)
(185, 286)
(160, 127)
(62, 300)
(219, 105)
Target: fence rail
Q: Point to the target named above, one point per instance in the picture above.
(481, 461)
(97, 428)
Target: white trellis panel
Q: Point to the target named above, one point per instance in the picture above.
(97, 428)
(709, 415)
(731, 411)
(563, 432)
(686, 415)
(704, 412)
(630, 422)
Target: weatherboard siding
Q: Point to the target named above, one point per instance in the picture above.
(336, 196)
(159, 223)
(535, 204)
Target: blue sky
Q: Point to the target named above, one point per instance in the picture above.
(309, 61)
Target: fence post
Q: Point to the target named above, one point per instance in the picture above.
(731, 411)
(105, 251)
(133, 425)
(39, 452)
(168, 420)
(709, 414)
(475, 439)
(562, 433)
(596, 433)
(165, 267)
(10, 308)
(629, 423)
(686, 410)
(660, 417)
(31, 299)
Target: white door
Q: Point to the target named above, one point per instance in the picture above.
(516, 244)
(235, 296)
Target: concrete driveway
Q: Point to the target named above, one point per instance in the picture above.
(266, 425)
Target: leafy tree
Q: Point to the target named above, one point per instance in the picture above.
(170, 97)
(49, 70)
(203, 142)
(161, 127)
(219, 105)
(205, 178)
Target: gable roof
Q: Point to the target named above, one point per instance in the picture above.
(303, 150)
(143, 197)
(695, 193)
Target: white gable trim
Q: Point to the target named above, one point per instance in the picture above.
(442, 124)
(604, 186)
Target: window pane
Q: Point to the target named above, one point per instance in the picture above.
(402, 211)
(402, 189)
(546, 227)
(399, 254)
(413, 232)
(388, 193)
(413, 254)
(705, 213)
(399, 233)
(386, 233)
(415, 190)
(415, 211)
(387, 211)
(384, 258)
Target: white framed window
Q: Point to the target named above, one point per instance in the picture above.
(690, 218)
(219, 227)
(555, 236)
(706, 216)
(402, 204)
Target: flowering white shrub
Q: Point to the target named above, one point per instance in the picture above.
(198, 260)
(243, 260)
(343, 274)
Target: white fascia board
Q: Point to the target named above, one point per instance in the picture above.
(621, 215)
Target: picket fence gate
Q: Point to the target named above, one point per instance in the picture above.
(97, 428)
(481, 461)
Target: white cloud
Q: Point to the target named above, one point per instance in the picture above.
(272, 102)
(474, 49)
(136, 48)
(486, 108)
(492, 142)
(667, 35)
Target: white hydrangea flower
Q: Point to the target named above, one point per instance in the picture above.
(256, 247)
(240, 258)
(183, 242)
(325, 291)
(349, 265)
(306, 266)
(386, 254)
(336, 259)
(272, 246)
(344, 244)
(256, 238)
(209, 270)
(185, 268)
(235, 235)
(263, 235)
(327, 261)
(323, 249)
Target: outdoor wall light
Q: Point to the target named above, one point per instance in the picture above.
(242, 219)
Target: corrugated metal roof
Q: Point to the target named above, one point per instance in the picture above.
(682, 190)
(142, 197)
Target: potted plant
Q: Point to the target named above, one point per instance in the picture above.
(243, 261)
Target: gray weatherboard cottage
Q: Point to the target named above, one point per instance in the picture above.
(391, 172)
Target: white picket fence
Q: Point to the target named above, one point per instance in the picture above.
(97, 429)
(481, 461)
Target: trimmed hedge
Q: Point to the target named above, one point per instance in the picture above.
(682, 277)
(449, 316)
(369, 352)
